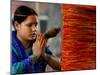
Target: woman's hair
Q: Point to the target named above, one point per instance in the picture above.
(22, 13)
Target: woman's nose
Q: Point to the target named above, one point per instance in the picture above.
(34, 28)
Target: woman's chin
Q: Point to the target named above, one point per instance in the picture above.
(32, 38)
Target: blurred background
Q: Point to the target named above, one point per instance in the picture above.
(49, 16)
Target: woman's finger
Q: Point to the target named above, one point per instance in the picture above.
(43, 45)
(41, 39)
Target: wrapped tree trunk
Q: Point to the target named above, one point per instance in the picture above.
(78, 37)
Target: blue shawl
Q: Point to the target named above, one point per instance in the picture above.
(21, 63)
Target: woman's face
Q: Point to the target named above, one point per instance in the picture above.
(27, 29)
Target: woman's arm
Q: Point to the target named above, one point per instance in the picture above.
(51, 61)
(20, 66)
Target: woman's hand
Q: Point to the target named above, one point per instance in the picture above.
(39, 47)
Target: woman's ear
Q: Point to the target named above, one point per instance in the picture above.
(17, 25)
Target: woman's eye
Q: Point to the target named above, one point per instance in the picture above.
(35, 25)
(29, 25)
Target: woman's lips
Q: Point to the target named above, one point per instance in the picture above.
(34, 35)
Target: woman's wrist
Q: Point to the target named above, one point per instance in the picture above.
(47, 57)
(35, 58)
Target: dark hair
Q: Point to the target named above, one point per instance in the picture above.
(22, 13)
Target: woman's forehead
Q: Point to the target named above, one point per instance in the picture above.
(32, 18)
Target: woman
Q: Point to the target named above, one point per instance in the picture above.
(29, 51)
